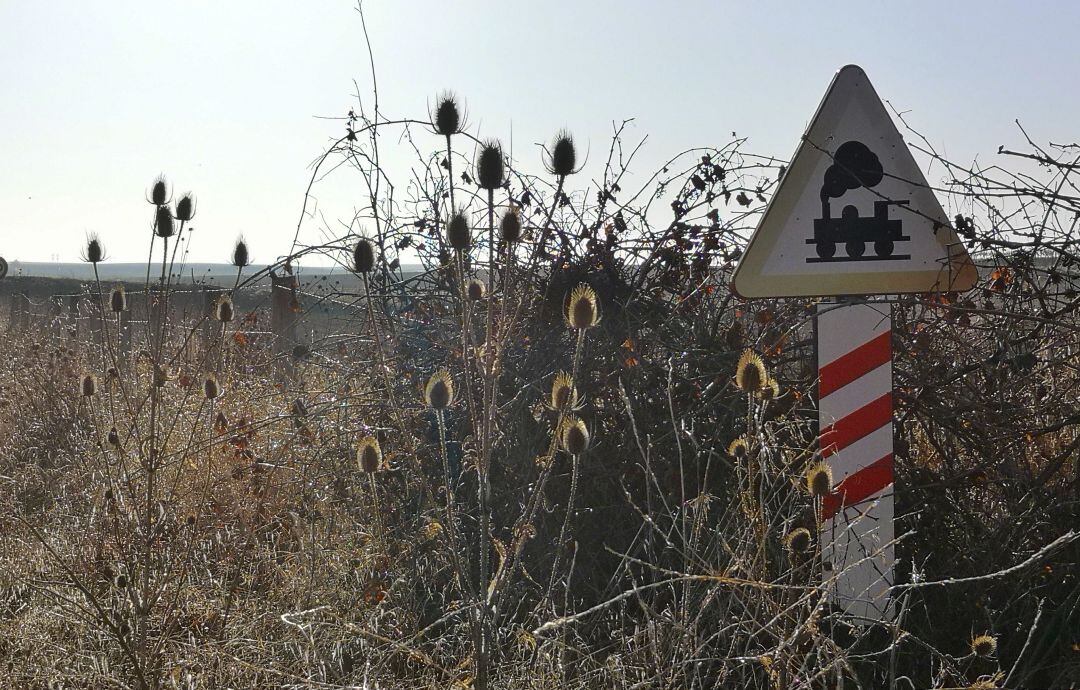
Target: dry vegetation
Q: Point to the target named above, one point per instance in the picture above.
(424, 500)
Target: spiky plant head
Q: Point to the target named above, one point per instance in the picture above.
(562, 158)
(211, 387)
(490, 167)
(563, 395)
(240, 255)
(819, 479)
(363, 256)
(369, 454)
(448, 117)
(750, 373)
(159, 191)
(983, 645)
(185, 207)
(223, 309)
(798, 540)
(439, 392)
(739, 448)
(583, 309)
(575, 436)
(510, 226)
(94, 252)
(771, 389)
(88, 385)
(118, 299)
(114, 437)
(164, 223)
(475, 289)
(458, 235)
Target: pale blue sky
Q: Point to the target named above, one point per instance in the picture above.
(222, 96)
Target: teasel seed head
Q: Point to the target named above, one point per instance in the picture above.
(163, 222)
(185, 207)
(363, 256)
(458, 235)
(798, 540)
(771, 390)
(563, 395)
(223, 310)
(159, 191)
(575, 436)
(750, 373)
(439, 392)
(490, 168)
(211, 387)
(583, 309)
(983, 645)
(94, 252)
(88, 385)
(739, 448)
(121, 581)
(369, 454)
(240, 255)
(449, 116)
(118, 299)
(113, 437)
(562, 158)
(819, 479)
(475, 290)
(510, 226)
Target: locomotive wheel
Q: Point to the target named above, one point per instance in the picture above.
(826, 250)
(855, 249)
(883, 247)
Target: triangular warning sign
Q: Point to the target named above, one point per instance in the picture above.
(853, 214)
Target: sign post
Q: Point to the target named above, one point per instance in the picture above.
(854, 217)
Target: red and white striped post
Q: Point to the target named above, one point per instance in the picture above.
(854, 349)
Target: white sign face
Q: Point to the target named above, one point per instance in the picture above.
(853, 214)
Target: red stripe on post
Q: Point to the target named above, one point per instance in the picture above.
(859, 362)
(858, 487)
(866, 419)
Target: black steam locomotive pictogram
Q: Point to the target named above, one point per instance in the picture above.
(854, 166)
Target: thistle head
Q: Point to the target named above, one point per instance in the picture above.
(819, 479)
(490, 167)
(983, 645)
(448, 117)
(164, 225)
(797, 540)
(363, 256)
(563, 395)
(575, 436)
(750, 373)
(369, 454)
(562, 157)
(185, 207)
(223, 309)
(94, 252)
(738, 448)
(88, 385)
(439, 392)
(583, 309)
(475, 289)
(118, 299)
(211, 387)
(510, 226)
(458, 235)
(240, 255)
(159, 191)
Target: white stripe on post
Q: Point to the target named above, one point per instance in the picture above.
(854, 344)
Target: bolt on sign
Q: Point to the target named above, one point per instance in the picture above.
(853, 217)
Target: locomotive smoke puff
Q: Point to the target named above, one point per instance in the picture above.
(854, 166)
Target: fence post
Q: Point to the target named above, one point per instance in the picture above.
(284, 312)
